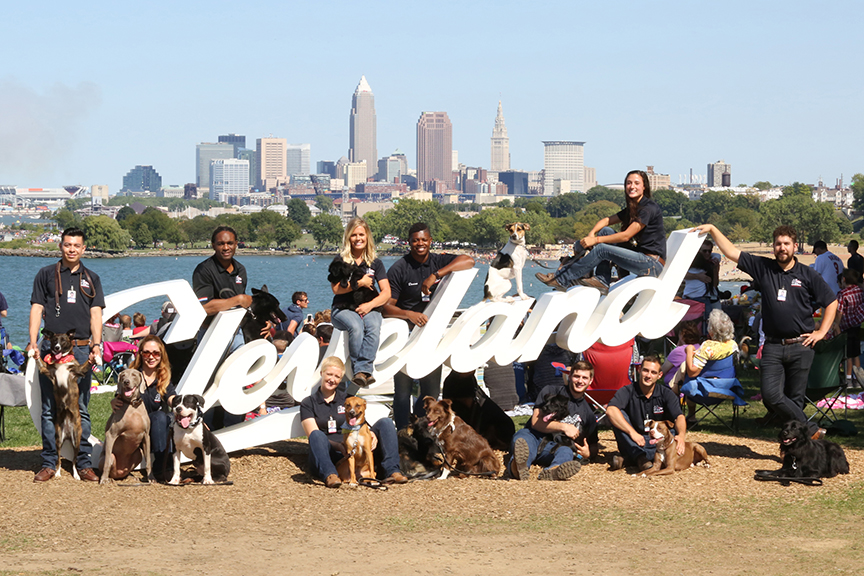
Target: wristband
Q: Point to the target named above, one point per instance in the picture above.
(437, 275)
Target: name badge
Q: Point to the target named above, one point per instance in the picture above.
(781, 295)
(70, 297)
(331, 425)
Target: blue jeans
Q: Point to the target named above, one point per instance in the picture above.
(784, 371)
(49, 409)
(363, 335)
(546, 457)
(430, 385)
(628, 448)
(601, 255)
(323, 457)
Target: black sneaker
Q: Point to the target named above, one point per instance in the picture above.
(519, 464)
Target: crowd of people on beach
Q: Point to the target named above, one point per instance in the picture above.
(68, 298)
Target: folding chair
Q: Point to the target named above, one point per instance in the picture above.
(825, 380)
(612, 366)
(715, 384)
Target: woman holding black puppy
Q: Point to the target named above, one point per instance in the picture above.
(362, 326)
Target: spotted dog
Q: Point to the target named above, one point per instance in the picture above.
(507, 265)
(195, 441)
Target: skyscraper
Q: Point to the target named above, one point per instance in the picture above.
(271, 154)
(142, 178)
(228, 178)
(298, 158)
(362, 143)
(205, 153)
(719, 174)
(563, 160)
(434, 149)
(236, 140)
(500, 144)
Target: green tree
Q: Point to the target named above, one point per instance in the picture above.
(125, 212)
(591, 214)
(670, 202)
(566, 204)
(858, 190)
(598, 193)
(287, 232)
(198, 229)
(65, 218)
(104, 233)
(299, 212)
(744, 220)
(812, 220)
(75, 204)
(487, 227)
(797, 189)
(141, 235)
(710, 207)
(763, 185)
(324, 203)
(326, 229)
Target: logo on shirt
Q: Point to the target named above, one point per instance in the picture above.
(413, 283)
(658, 409)
(796, 283)
(84, 283)
(239, 280)
(340, 409)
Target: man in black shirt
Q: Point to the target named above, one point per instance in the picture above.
(788, 290)
(412, 281)
(632, 407)
(856, 261)
(75, 304)
(580, 426)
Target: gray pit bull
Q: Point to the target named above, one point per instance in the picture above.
(127, 431)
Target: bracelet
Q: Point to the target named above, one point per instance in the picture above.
(437, 275)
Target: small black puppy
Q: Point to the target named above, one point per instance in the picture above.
(417, 450)
(347, 274)
(804, 457)
(556, 409)
(264, 307)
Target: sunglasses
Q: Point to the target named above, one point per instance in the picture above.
(152, 353)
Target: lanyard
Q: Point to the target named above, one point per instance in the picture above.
(58, 286)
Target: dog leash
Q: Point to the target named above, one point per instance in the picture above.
(770, 476)
(452, 466)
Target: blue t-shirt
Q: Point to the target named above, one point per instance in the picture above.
(292, 312)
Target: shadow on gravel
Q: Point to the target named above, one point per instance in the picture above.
(736, 451)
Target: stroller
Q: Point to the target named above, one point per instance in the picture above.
(116, 356)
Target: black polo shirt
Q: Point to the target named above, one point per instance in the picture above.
(577, 407)
(406, 279)
(211, 281)
(788, 297)
(662, 405)
(379, 273)
(73, 315)
(314, 406)
(154, 402)
(652, 238)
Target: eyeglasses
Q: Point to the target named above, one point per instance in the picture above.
(153, 353)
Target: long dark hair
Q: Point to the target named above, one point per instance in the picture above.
(632, 204)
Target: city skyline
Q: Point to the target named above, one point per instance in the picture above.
(643, 94)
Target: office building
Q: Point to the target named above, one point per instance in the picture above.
(589, 178)
(190, 192)
(236, 140)
(298, 159)
(355, 172)
(500, 144)
(99, 194)
(205, 153)
(563, 160)
(390, 169)
(228, 178)
(658, 181)
(271, 155)
(252, 157)
(719, 174)
(363, 140)
(326, 167)
(140, 179)
(516, 181)
(434, 150)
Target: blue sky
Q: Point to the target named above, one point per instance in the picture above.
(89, 90)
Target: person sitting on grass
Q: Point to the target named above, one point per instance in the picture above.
(633, 406)
(322, 415)
(850, 315)
(558, 461)
(720, 344)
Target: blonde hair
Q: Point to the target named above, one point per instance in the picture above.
(369, 253)
(331, 362)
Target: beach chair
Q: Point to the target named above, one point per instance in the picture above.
(612, 371)
(825, 380)
(716, 383)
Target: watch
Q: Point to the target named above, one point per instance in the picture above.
(437, 275)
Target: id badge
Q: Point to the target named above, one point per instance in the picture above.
(331, 425)
(646, 425)
(781, 295)
(70, 297)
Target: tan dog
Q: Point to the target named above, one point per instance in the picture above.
(666, 459)
(127, 431)
(465, 451)
(358, 439)
(507, 265)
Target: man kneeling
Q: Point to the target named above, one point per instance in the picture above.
(633, 406)
(533, 444)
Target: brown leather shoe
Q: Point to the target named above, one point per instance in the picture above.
(617, 463)
(549, 280)
(819, 434)
(332, 481)
(88, 475)
(360, 380)
(396, 478)
(44, 475)
(594, 282)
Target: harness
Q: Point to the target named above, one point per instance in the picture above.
(58, 285)
(452, 426)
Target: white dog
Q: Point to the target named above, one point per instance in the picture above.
(508, 264)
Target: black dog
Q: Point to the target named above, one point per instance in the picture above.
(264, 307)
(555, 409)
(417, 450)
(804, 457)
(347, 274)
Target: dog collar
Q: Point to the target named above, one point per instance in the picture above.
(51, 359)
(348, 428)
(192, 423)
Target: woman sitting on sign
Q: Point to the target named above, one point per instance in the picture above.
(640, 246)
(363, 326)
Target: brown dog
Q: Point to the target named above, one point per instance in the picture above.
(127, 431)
(666, 459)
(465, 451)
(60, 366)
(357, 438)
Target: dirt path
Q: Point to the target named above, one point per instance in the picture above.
(273, 520)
